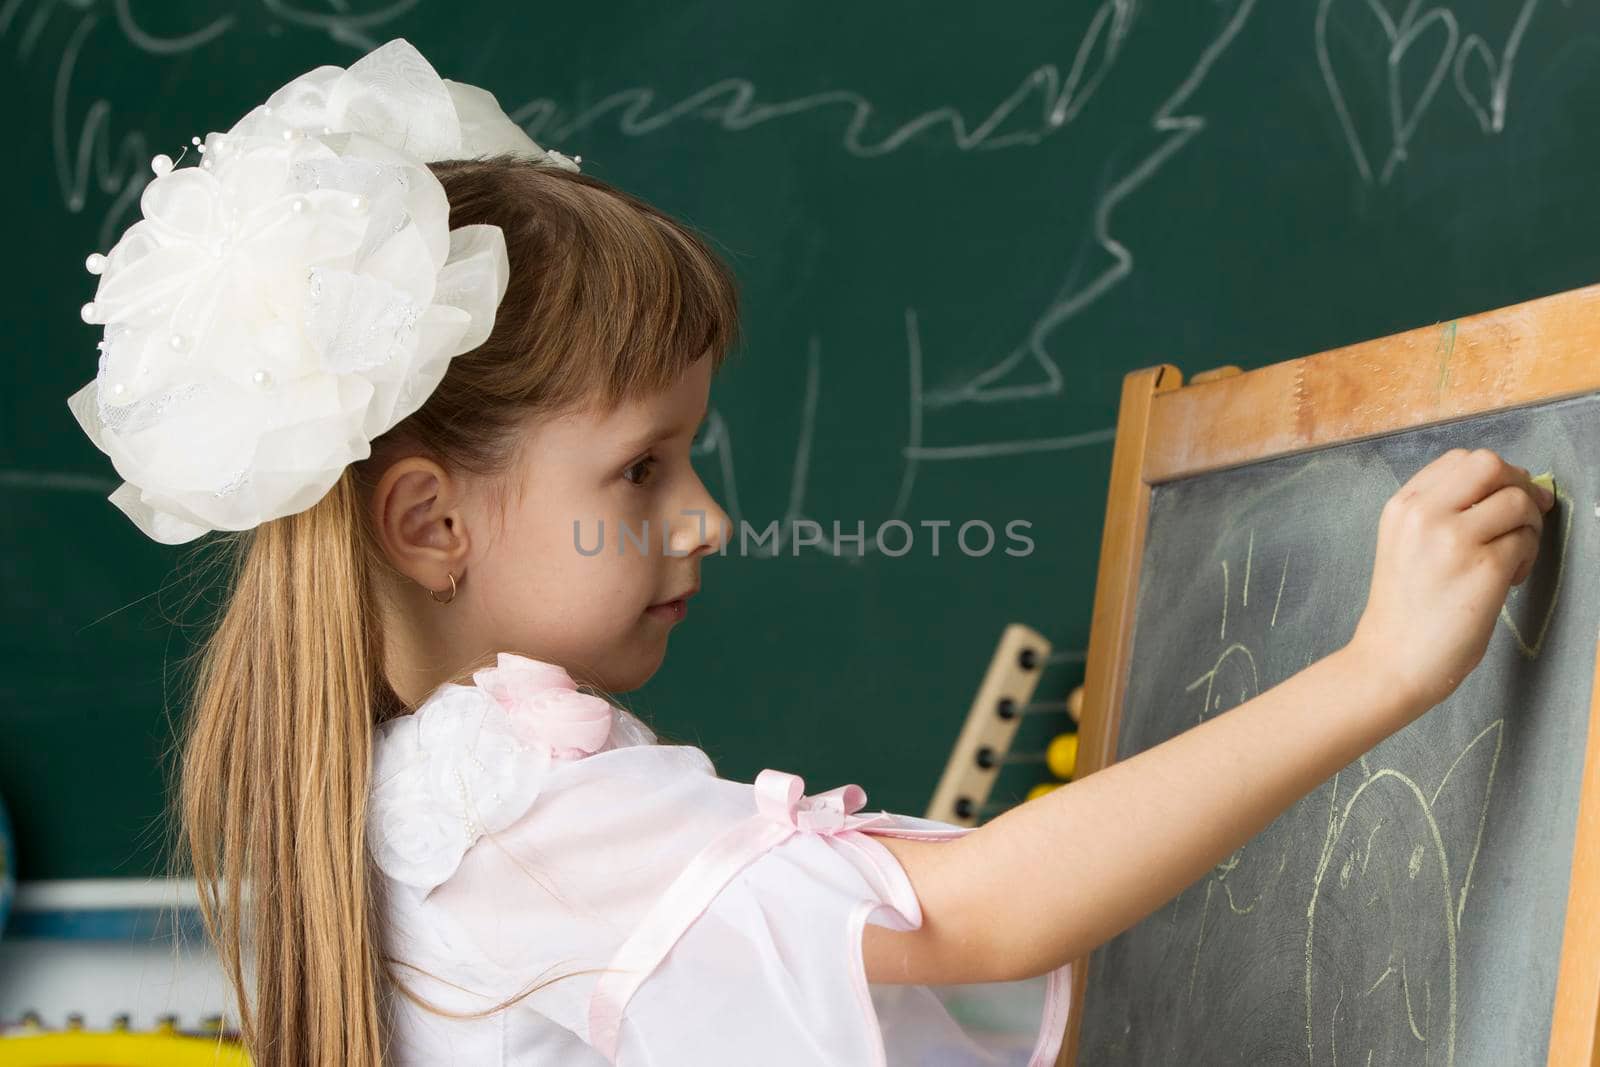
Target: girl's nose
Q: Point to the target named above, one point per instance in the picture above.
(701, 528)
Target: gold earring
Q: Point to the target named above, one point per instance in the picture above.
(449, 598)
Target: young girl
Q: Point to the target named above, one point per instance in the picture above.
(423, 369)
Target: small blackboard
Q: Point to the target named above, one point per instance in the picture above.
(1426, 904)
(1411, 907)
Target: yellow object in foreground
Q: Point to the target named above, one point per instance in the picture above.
(78, 1048)
(1547, 480)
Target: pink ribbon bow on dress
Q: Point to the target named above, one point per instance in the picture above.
(780, 796)
(545, 706)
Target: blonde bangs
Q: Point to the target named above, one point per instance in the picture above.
(626, 299)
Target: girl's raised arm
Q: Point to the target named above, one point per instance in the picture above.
(1048, 881)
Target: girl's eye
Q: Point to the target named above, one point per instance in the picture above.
(643, 467)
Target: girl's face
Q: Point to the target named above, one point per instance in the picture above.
(605, 526)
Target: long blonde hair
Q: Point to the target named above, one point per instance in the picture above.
(609, 300)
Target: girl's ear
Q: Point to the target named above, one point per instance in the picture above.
(420, 521)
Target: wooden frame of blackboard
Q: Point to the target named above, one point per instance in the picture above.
(1525, 354)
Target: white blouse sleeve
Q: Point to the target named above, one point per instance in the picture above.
(754, 955)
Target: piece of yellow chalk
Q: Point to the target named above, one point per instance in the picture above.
(1547, 480)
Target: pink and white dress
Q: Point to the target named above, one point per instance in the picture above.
(525, 831)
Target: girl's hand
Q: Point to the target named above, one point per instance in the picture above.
(1451, 543)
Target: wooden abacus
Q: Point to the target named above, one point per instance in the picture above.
(983, 747)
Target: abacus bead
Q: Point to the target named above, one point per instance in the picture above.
(95, 264)
(89, 311)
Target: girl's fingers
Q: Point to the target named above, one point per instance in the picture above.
(1514, 552)
(1502, 512)
(1477, 475)
(1441, 471)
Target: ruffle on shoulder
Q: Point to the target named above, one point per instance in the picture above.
(473, 759)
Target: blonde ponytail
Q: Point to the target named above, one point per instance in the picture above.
(274, 785)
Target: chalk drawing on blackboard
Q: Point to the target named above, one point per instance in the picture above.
(1249, 554)
(1279, 599)
(1357, 915)
(1235, 670)
(1223, 636)
(1227, 867)
(1218, 877)
(1416, 28)
(734, 102)
(1394, 892)
(1498, 728)
(1214, 691)
(1177, 124)
(1564, 503)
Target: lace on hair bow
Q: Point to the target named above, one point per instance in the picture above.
(293, 296)
(472, 760)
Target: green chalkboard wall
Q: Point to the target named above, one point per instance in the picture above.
(956, 230)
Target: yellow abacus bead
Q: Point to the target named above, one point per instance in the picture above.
(1062, 755)
(1041, 789)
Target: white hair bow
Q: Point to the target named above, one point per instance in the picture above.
(293, 296)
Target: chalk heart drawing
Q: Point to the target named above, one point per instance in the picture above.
(1491, 115)
(1543, 585)
(1433, 33)
(1389, 898)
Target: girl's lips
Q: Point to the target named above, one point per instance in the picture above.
(673, 610)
